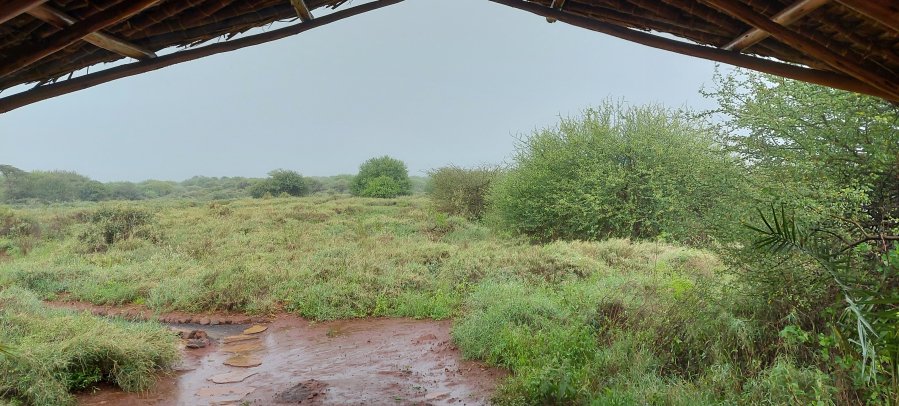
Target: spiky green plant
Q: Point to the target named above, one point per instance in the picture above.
(875, 311)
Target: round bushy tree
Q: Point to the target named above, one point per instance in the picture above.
(280, 181)
(382, 177)
(616, 171)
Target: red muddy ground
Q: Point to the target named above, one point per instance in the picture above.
(352, 362)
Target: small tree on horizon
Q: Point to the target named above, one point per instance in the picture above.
(383, 177)
(280, 181)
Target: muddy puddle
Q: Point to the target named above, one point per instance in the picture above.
(293, 361)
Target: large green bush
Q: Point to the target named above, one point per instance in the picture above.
(280, 181)
(381, 177)
(109, 225)
(460, 191)
(617, 171)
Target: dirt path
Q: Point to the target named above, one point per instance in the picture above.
(352, 362)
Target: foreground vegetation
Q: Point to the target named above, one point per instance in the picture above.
(630, 255)
(52, 352)
(576, 321)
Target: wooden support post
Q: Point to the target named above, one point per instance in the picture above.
(811, 48)
(821, 77)
(59, 19)
(28, 54)
(90, 80)
(302, 10)
(885, 12)
(13, 8)
(786, 17)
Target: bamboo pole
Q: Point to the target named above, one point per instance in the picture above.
(302, 10)
(59, 19)
(786, 17)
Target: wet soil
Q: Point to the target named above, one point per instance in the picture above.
(350, 362)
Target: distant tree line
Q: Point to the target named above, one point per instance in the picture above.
(20, 186)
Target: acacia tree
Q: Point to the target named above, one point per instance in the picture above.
(382, 177)
(827, 161)
(280, 181)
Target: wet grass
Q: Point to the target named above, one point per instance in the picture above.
(610, 322)
(52, 352)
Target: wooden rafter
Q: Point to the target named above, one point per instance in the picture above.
(87, 81)
(821, 77)
(13, 8)
(28, 54)
(108, 42)
(809, 47)
(302, 10)
(786, 17)
(885, 12)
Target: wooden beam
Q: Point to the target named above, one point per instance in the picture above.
(302, 10)
(786, 17)
(59, 19)
(885, 12)
(826, 78)
(28, 54)
(87, 81)
(13, 8)
(809, 47)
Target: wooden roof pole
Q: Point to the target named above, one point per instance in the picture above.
(825, 78)
(805, 45)
(786, 17)
(302, 10)
(13, 8)
(59, 19)
(28, 54)
(90, 80)
(885, 12)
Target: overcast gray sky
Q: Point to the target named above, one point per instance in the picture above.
(431, 82)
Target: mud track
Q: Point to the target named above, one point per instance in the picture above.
(295, 361)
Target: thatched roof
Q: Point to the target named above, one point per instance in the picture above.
(849, 44)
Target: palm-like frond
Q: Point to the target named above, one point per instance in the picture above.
(782, 234)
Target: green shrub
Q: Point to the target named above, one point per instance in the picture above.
(109, 225)
(461, 191)
(13, 224)
(383, 187)
(617, 171)
(381, 177)
(785, 383)
(280, 182)
(18, 233)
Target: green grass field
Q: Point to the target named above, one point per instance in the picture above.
(610, 322)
